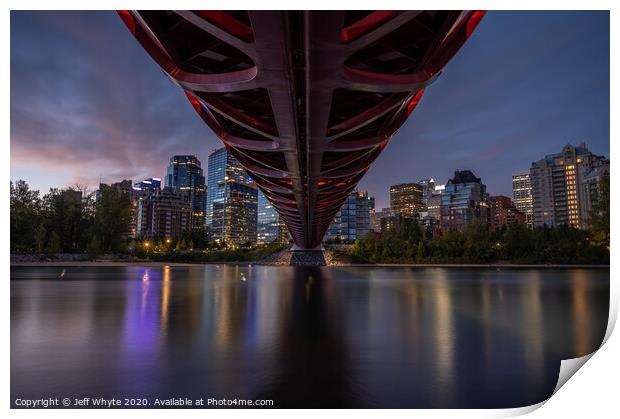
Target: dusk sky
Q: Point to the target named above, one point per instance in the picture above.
(87, 102)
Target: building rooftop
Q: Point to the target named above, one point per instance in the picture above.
(464, 176)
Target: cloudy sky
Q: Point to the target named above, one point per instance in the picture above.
(88, 103)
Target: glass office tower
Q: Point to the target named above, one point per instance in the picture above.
(270, 226)
(185, 175)
(352, 221)
(464, 199)
(232, 200)
(522, 195)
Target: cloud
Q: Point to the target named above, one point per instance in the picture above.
(86, 100)
(92, 105)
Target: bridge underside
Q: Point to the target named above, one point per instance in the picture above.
(305, 100)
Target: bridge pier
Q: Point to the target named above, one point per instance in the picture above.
(307, 257)
(297, 248)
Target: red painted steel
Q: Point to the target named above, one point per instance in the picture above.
(305, 100)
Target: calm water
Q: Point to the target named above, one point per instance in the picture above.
(303, 337)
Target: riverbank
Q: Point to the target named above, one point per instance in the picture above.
(159, 258)
(116, 264)
(353, 265)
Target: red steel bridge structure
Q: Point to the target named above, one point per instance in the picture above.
(304, 100)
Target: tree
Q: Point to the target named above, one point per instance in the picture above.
(66, 213)
(25, 208)
(198, 236)
(599, 215)
(40, 237)
(448, 246)
(420, 253)
(112, 217)
(415, 233)
(94, 248)
(519, 241)
(478, 243)
(54, 244)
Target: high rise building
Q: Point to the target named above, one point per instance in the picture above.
(464, 199)
(372, 213)
(503, 213)
(522, 195)
(590, 188)
(407, 198)
(185, 175)
(232, 200)
(434, 205)
(269, 227)
(376, 222)
(124, 186)
(364, 206)
(557, 190)
(352, 221)
(429, 224)
(142, 191)
(432, 198)
(146, 187)
(428, 188)
(163, 214)
(396, 223)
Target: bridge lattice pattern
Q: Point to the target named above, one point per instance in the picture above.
(305, 100)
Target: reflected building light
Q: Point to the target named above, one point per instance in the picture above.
(412, 307)
(139, 336)
(269, 308)
(225, 299)
(533, 317)
(145, 292)
(582, 315)
(444, 337)
(165, 300)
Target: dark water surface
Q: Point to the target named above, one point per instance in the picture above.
(303, 337)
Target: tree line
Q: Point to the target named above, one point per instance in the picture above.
(75, 220)
(70, 220)
(478, 243)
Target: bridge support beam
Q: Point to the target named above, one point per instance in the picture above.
(304, 100)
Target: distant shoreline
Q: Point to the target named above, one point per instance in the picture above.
(351, 265)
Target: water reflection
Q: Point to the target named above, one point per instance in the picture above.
(304, 337)
(444, 338)
(310, 352)
(583, 340)
(165, 300)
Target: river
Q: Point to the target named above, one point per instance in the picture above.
(303, 337)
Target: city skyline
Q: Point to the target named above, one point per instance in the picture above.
(73, 121)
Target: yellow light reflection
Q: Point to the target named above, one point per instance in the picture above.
(534, 321)
(582, 324)
(145, 292)
(444, 329)
(165, 299)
